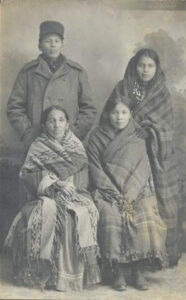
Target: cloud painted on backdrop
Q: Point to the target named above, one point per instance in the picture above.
(173, 61)
(171, 54)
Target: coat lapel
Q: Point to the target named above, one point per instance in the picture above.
(64, 68)
(44, 70)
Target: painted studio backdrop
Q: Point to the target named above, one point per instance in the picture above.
(102, 36)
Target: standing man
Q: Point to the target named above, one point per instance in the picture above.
(50, 79)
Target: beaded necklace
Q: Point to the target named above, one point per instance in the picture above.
(139, 91)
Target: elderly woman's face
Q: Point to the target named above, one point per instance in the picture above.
(51, 45)
(119, 116)
(56, 124)
(146, 68)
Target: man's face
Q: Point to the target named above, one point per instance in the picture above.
(51, 45)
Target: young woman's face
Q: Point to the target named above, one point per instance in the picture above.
(51, 45)
(146, 68)
(119, 116)
(56, 124)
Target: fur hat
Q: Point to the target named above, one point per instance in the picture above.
(51, 27)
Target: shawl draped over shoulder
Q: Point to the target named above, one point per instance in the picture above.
(52, 215)
(130, 227)
(155, 115)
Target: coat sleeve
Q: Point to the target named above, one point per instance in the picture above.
(87, 110)
(17, 110)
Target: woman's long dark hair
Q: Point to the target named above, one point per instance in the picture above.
(151, 54)
(131, 76)
(109, 107)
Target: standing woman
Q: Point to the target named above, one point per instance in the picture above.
(151, 106)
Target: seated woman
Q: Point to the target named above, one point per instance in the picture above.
(130, 230)
(53, 238)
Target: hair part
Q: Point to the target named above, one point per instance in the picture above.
(148, 53)
(51, 108)
(110, 105)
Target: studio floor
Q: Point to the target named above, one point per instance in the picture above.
(165, 285)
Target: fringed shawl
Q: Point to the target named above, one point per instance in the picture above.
(49, 161)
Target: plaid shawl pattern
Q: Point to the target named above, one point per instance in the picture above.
(122, 171)
(155, 115)
(130, 227)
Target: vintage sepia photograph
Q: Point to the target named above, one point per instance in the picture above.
(93, 149)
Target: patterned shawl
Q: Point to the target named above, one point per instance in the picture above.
(47, 156)
(155, 115)
(48, 161)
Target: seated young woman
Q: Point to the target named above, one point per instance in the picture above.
(53, 238)
(131, 233)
